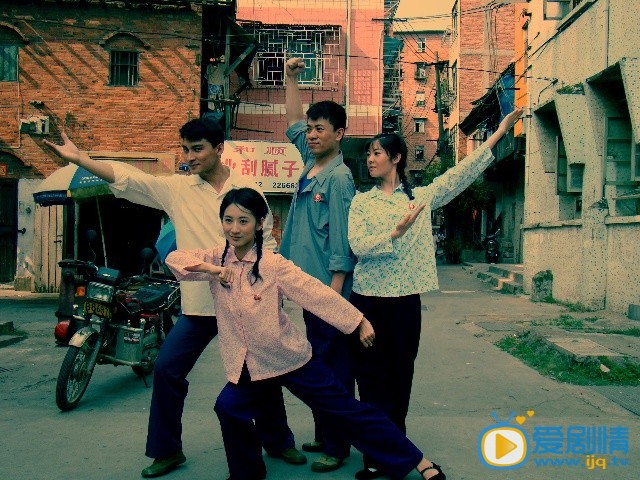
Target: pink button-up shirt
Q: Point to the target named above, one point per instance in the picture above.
(252, 327)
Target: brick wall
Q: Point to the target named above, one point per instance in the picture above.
(486, 47)
(364, 78)
(64, 66)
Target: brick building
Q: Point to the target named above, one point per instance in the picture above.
(482, 46)
(121, 78)
(120, 81)
(341, 44)
(421, 49)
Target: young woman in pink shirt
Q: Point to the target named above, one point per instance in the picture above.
(261, 347)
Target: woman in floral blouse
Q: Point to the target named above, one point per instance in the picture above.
(261, 348)
(390, 232)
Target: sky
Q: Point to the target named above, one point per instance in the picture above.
(423, 8)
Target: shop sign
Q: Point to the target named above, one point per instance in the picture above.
(274, 166)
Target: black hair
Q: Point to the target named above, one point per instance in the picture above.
(250, 200)
(393, 144)
(202, 128)
(332, 112)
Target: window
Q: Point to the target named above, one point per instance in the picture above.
(316, 46)
(561, 167)
(621, 165)
(10, 41)
(8, 62)
(419, 125)
(124, 69)
(421, 71)
(419, 153)
(454, 20)
(421, 45)
(558, 9)
(420, 99)
(454, 78)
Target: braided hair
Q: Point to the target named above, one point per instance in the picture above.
(393, 144)
(249, 199)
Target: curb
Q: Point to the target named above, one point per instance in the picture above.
(7, 340)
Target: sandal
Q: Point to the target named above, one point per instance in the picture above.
(439, 476)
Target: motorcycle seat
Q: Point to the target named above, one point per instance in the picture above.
(153, 297)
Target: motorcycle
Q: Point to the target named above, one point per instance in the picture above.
(114, 320)
(492, 247)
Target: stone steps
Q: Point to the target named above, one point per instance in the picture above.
(505, 278)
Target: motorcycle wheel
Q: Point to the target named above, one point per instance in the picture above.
(74, 376)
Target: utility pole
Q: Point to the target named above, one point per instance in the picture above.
(441, 151)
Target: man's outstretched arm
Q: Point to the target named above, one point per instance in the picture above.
(72, 154)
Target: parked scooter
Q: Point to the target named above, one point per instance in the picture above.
(492, 247)
(114, 320)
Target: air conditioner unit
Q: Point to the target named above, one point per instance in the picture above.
(35, 124)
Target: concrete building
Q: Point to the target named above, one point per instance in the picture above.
(581, 217)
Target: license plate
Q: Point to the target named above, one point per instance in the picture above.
(97, 309)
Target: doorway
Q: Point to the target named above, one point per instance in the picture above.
(8, 229)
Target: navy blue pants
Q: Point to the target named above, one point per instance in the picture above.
(331, 346)
(366, 427)
(179, 353)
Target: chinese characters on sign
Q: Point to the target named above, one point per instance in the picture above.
(275, 167)
(4, 169)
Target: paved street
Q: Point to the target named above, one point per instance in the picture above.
(461, 378)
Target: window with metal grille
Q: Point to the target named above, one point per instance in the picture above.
(317, 46)
(125, 69)
(421, 71)
(8, 62)
(419, 153)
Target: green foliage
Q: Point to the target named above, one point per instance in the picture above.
(538, 354)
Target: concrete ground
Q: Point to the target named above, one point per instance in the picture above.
(461, 379)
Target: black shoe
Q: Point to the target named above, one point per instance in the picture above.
(160, 466)
(439, 476)
(369, 473)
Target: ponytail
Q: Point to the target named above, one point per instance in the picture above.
(224, 253)
(255, 271)
(405, 184)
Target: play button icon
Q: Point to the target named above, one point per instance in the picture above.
(503, 446)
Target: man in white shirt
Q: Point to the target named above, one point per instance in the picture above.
(193, 203)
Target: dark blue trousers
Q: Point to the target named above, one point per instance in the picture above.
(331, 346)
(366, 427)
(179, 353)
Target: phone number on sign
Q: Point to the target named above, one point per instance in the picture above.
(278, 185)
